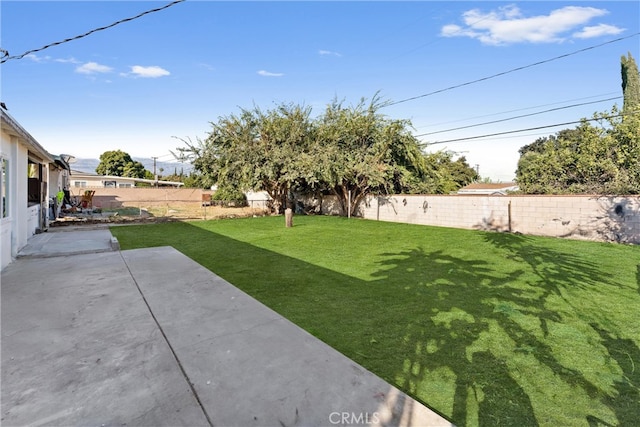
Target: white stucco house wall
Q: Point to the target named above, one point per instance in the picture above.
(25, 186)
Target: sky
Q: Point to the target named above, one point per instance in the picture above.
(449, 67)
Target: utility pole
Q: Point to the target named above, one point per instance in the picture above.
(155, 176)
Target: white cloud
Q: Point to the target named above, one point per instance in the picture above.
(152, 71)
(71, 60)
(269, 74)
(93, 68)
(597, 31)
(328, 53)
(207, 66)
(508, 25)
(36, 58)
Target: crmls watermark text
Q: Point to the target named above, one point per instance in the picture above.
(354, 418)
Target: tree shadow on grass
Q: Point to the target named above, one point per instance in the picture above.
(555, 268)
(626, 401)
(561, 273)
(458, 303)
(506, 335)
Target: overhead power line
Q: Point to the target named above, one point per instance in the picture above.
(523, 130)
(413, 98)
(458, 31)
(517, 117)
(7, 57)
(514, 110)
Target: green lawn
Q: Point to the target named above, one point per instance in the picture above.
(486, 328)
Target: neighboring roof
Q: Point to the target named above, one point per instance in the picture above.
(12, 127)
(85, 175)
(489, 188)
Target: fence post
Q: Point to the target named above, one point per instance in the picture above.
(288, 217)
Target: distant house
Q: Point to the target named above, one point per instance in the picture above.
(81, 180)
(30, 178)
(489, 189)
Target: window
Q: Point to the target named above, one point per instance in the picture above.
(80, 184)
(110, 184)
(34, 183)
(124, 185)
(4, 187)
(33, 170)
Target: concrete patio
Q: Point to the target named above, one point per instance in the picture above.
(147, 337)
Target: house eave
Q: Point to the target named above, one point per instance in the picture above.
(13, 128)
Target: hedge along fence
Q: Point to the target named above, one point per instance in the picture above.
(603, 218)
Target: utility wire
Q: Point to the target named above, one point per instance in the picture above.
(523, 130)
(437, 39)
(413, 98)
(514, 110)
(517, 117)
(6, 56)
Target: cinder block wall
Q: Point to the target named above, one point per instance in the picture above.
(116, 197)
(604, 218)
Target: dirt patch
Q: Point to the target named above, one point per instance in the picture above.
(156, 212)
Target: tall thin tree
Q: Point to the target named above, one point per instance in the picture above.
(630, 84)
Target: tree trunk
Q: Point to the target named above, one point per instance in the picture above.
(341, 200)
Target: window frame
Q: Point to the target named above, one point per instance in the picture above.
(5, 190)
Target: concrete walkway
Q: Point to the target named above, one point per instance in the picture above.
(148, 337)
(69, 240)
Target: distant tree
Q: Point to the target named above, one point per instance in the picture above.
(451, 175)
(194, 180)
(630, 84)
(202, 155)
(119, 163)
(172, 177)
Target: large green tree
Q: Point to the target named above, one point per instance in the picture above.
(588, 159)
(602, 158)
(359, 151)
(346, 151)
(119, 163)
(256, 150)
